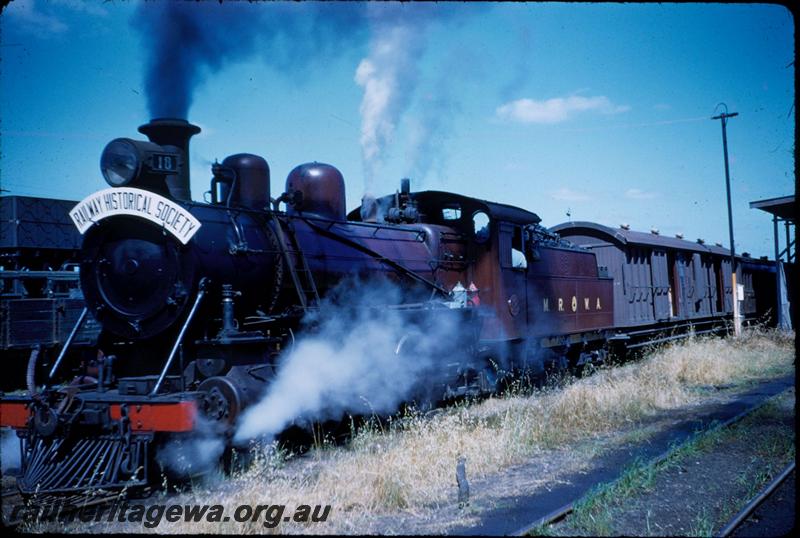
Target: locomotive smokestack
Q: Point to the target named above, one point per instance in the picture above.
(174, 132)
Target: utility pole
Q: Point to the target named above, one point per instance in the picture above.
(737, 320)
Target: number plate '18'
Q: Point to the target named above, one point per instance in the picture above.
(163, 162)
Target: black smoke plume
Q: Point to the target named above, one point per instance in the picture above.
(188, 41)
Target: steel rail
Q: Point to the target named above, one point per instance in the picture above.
(754, 503)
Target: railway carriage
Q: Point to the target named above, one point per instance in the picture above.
(664, 281)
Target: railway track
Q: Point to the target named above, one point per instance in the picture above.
(739, 519)
(562, 512)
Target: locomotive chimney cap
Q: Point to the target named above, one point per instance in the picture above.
(625, 226)
(180, 121)
(161, 127)
(654, 231)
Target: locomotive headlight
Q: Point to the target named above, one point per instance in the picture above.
(125, 161)
(120, 162)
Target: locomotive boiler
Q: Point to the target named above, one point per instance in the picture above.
(198, 301)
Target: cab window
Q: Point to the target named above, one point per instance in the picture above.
(480, 226)
(451, 212)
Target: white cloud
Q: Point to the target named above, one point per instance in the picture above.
(33, 19)
(569, 195)
(89, 8)
(557, 109)
(47, 18)
(639, 194)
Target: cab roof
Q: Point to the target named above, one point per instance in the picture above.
(431, 204)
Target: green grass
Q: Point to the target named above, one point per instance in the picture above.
(594, 513)
(703, 525)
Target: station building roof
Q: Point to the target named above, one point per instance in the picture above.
(783, 207)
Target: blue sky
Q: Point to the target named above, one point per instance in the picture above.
(601, 110)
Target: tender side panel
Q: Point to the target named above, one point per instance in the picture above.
(568, 305)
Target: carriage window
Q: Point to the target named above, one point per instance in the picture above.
(451, 212)
(480, 223)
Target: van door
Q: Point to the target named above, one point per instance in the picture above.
(660, 276)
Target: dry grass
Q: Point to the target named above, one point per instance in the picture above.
(410, 466)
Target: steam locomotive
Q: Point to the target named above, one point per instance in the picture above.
(197, 301)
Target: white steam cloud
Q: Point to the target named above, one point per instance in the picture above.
(389, 76)
(362, 358)
(194, 454)
(9, 451)
(437, 109)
